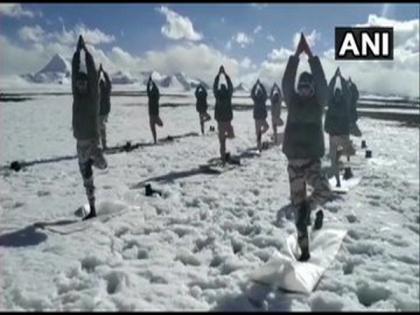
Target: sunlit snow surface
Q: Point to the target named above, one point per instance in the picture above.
(194, 247)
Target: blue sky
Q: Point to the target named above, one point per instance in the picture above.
(136, 27)
(244, 33)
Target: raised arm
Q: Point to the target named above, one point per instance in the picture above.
(263, 90)
(332, 83)
(91, 70)
(274, 88)
(289, 78)
(320, 83)
(149, 83)
(107, 81)
(229, 84)
(346, 91)
(356, 91)
(197, 90)
(253, 91)
(216, 84)
(75, 67)
(156, 89)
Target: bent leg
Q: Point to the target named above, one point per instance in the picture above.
(265, 126)
(319, 182)
(296, 171)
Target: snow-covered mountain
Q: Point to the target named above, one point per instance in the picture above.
(121, 77)
(178, 81)
(57, 70)
(240, 88)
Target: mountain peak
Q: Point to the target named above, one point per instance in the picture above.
(56, 64)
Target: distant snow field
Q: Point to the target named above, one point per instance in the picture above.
(194, 247)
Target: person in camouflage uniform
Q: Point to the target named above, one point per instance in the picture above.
(201, 105)
(259, 97)
(303, 142)
(223, 113)
(85, 121)
(153, 102)
(337, 123)
(276, 121)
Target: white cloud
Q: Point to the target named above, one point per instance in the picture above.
(17, 60)
(32, 33)
(197, 60)
(178, 26)
(406, 33)
(41, 46)
(15, 10)
(242, 39)
(91, 36)
(271, 38)
(311, 39)
(257, 29)
(259, 6)
(279, 54)
(246, 63)
(200, 60)
(400, 76)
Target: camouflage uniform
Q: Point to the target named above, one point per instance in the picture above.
(223, 113)
(303, 142)
(85, 122)
(337, 122)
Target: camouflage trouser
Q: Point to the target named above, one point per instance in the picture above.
(307, 171)
(276, 121)
(226, 131)
(204, 116)
(155, 120)
(88, 154)
(102, 128)
(261, 126)
(340, 145)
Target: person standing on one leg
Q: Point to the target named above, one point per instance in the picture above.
(105, 104)
(153, 95)
(85, 121)
(276, 121)
(223, 111)
(337, 122)
(260, 111)
(201, 105)
(304, 139)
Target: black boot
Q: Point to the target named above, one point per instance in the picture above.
(92, 212)
(347, 173)
(319, 218)
(302, 218)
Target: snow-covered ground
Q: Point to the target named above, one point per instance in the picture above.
(194, 247)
